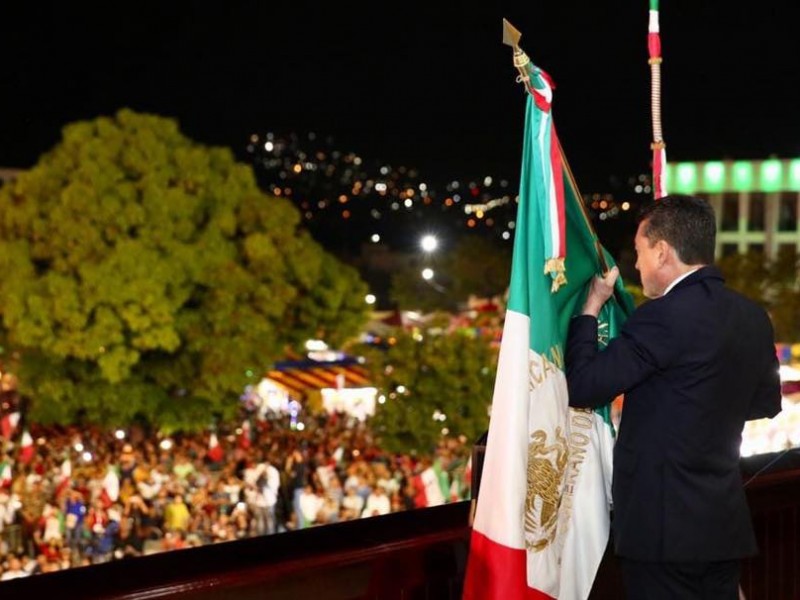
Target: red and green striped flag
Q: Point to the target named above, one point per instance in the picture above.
(542, 517)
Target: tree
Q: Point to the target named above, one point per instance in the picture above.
(146, 275)
(476, 266)
(432, 381)
(784, 294)
(409, 291)
(773, 283)
(479, 267)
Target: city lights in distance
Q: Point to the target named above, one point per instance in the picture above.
(427, 273)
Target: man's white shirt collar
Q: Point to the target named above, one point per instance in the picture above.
(677, 280)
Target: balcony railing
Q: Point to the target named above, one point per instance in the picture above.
(403, 556)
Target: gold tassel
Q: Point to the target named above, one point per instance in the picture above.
(555, 267)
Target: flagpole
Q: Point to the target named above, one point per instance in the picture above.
(658, 145)
(598, 248)
(511, 37)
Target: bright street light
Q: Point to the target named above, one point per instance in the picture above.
(427, 274)
(429, 243)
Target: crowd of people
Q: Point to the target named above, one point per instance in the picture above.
(80, 496)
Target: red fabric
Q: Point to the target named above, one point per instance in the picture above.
(105, 499)
(26, 454)
(542, 102)
(215, 452)
(244, 437)
(62, 486)
(654, 45)
(658, 169)
(496, 572)
(558, 182)
(95, 517)
(420, 499)
(9, 424)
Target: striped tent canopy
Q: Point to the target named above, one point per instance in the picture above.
(300, 377)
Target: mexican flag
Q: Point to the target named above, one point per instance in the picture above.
(542, 517)
(6, 474)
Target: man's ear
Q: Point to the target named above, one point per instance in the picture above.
(663, 250)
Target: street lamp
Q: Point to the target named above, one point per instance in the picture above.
(429, 243)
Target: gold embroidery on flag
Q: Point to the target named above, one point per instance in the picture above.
(555, 267)
(546, 467)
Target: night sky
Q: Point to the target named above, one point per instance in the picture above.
(422, 84)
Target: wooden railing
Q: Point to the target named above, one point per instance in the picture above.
(775, 505)
(404, 556)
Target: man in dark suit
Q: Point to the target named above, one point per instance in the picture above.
(694, 363)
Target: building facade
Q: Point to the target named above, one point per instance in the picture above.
(757, 202)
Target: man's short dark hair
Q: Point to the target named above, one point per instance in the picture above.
(686, 223)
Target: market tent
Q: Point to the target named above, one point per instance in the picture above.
(301, 377)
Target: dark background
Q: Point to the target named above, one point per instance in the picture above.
(423, 84)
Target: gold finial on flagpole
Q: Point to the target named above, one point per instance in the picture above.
(511, 36)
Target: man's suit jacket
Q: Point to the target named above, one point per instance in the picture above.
(694, 365)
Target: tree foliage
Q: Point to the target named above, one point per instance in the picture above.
(432, 372)
(147, 275)
(773, 283)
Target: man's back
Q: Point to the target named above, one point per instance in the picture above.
(694, 365)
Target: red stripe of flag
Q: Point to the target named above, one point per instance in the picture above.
(497, 572)
(558, 181)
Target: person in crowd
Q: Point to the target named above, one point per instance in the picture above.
(352, 504)
(176, 513)
(135, 525)
(14, 569)
(695, 362)
(75, 512)
(310, 503)
(297, 472)
(378, 503)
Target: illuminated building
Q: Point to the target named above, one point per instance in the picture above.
(757, 202)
